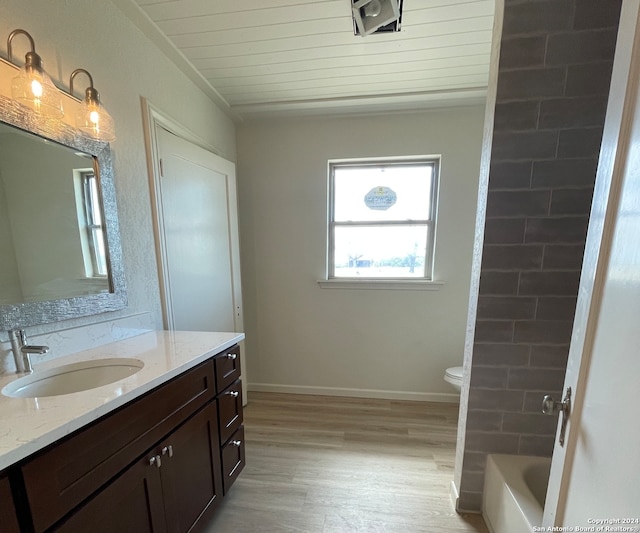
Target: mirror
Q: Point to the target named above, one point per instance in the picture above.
(59, 235)
(50, 221)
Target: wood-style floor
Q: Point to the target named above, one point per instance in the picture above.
(322, 464)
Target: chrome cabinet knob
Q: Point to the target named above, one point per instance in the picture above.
(168, 450)
(155, 461)
(234, 394)
(236, 443)
(232, 356)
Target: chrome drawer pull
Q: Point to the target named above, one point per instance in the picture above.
(231, 356)
(155, 461)
(168, 450)
(234, 393)
(236, 443)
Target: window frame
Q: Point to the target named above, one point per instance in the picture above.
(89, 228)
(431, 222)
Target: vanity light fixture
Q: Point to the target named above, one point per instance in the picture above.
(32, 87)
(92, 118)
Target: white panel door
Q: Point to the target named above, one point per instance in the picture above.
(199, 219)
(594, 477)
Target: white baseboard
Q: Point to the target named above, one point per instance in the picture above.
(355, 393)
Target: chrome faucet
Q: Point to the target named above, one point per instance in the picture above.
(22, 350)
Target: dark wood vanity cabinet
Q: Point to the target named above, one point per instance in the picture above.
(167, 490)
(158, 464)
(8, 515)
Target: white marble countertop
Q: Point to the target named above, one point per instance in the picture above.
(29, 424)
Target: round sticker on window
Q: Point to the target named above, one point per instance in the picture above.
(380, 198)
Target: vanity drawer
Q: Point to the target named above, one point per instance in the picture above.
(62, 476)
(227, 367)
(233, 459)
(230, 411)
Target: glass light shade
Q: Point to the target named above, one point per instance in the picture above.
(373, 8)
(92, 118)
(34, 89)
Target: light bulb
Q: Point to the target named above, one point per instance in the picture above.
(93, 119)
(36, 88)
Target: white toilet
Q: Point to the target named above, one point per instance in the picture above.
(453, 375)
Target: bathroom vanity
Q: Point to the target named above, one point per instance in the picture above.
(156, 451)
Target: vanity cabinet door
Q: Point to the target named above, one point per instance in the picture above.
(190, 471)
(165, 491)
(8, 515)
(132, 502)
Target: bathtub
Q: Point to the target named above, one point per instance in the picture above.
(514, 491)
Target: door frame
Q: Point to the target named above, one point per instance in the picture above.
(152, 119)
(602, 221)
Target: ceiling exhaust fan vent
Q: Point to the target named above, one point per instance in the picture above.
(376, 16)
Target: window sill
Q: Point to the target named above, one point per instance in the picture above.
(381, 284)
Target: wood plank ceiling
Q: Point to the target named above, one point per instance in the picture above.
(293, 56)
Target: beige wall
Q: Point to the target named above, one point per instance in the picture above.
(298, 334)
(96, 35)
(304, 338)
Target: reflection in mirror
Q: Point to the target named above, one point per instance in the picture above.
(51, 229)
(60, 254)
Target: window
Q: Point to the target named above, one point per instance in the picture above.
(91, 224)
(382, 217)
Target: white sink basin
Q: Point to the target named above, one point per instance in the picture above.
(74, 377)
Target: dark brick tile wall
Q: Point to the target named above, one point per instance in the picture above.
(512, 174)
(498, 283)
(573, 47)
(582, 142)
(495, 355)
(588, 79)
(556, 308)
(549, 283)
(552, 230)
(511, 257)
(542, 332)
(519, 52)
(562, 256)
(554, 73)
(500, 231)
(506, 307)
(548, 357)
(568, 173)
